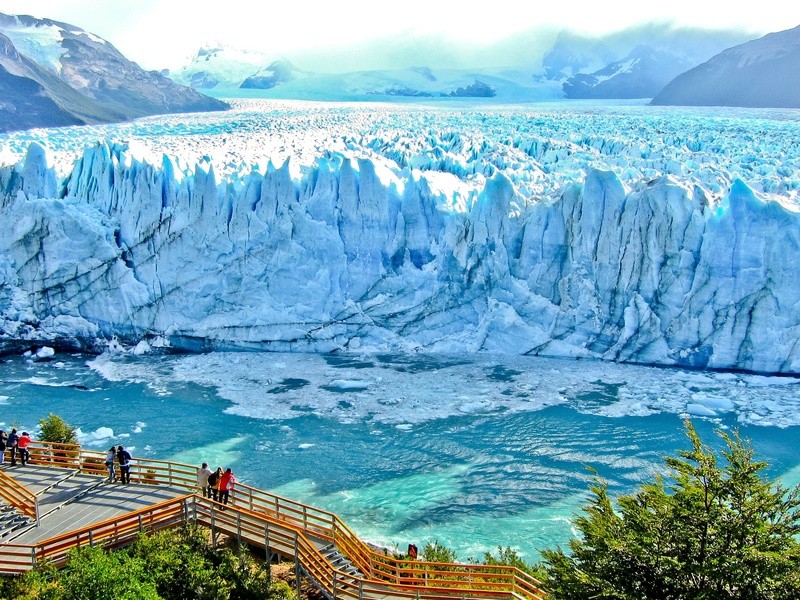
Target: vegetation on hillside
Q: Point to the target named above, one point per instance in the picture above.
(169, 565)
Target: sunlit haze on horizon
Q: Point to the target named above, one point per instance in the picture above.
(361, 33)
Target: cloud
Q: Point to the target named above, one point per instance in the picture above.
(306, 26)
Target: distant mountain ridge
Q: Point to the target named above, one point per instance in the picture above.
(642, 74)
(220, 66)
(226, 70)
(633, 63)
(55, 74)
(761, 73)
(24, 102)
(276, 73)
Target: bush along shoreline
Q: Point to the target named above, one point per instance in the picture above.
(170, 565)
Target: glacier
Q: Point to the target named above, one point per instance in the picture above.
(422, 240)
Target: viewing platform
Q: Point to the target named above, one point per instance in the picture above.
(62, 500)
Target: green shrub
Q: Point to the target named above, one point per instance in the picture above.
(41, 584)
(436, 552)
(180, 563)
(56, 430)
(99, 575)
(170, 565)
(507, 556)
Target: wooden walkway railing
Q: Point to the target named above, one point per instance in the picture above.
(14, 493)
(278, 524)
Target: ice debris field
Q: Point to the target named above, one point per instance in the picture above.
(406, 390)
(621, 232)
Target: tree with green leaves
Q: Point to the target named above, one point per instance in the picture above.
(436, 552)
(705, 531)
(508, 556)
(56, 430)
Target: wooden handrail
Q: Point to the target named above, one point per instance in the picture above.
(441, 582)
(379, 569)
(19, 496)
(102, 525)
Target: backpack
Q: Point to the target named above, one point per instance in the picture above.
(212, 479)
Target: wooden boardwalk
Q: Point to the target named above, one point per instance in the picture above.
(70, 500)
(64, 492)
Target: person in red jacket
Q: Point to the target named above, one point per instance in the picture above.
(22, 444)
(226, 485)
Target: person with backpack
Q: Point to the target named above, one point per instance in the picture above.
(3, 444)
(13, 439)
(124, 459)
(213, 484)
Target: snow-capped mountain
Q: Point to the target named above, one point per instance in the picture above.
(278, 72)
(572, 54)
(226, 71)
(220, 67)
(642, 74)
(82, 75)
(613, 66)
(633, 63)
(761, 73)
(419, 82)
(24, 102)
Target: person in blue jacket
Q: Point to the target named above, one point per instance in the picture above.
(124, 459)
(13, 440)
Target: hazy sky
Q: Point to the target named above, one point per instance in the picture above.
(164, 33)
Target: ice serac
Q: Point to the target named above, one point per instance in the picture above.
(354, 255)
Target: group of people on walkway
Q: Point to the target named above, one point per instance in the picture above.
(216, 485)
(17, 444)
(123, 458)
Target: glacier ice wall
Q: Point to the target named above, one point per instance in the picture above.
(353, 256)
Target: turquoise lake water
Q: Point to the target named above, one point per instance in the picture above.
(473, 452)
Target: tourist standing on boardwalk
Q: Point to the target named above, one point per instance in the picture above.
(13, 438)
(110, 457)
(124, 458)
(226, 485)
(22, 445)
(203, 474)
(213, 483)
(3, 444)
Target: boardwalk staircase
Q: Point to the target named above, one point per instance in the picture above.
(347, 574)
(11, 520)
(74, 507)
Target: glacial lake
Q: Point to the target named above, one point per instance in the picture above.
(474, 451)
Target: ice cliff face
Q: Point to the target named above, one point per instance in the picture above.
(353, 256)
